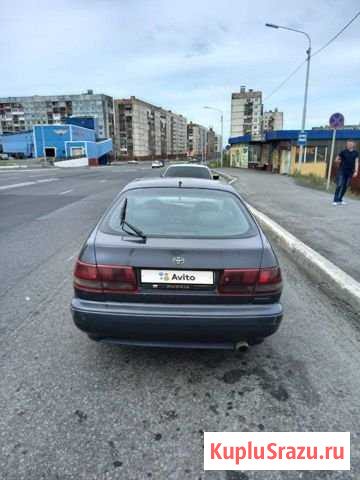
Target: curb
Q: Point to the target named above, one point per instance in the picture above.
(318, 267)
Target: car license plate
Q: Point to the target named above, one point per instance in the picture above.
(180, 277)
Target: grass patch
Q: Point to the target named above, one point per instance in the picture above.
(319, 183)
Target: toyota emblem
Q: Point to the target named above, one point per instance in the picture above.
(179, 260)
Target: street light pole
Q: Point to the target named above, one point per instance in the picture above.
(308, 57)
(222, 132)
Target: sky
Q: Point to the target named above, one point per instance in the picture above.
(183, 55)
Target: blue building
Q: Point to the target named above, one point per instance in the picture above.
(20, 145)
(70, 141)
(83, 121)
(292, 135)
(59, 142)
(279, 152)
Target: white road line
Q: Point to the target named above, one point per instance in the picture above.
(70, 258)
(46, 180)
(104, 180)
(66, 191)
(16, 185)
(27, 184)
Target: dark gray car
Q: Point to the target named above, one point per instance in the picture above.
(177, 262)
(188, 170)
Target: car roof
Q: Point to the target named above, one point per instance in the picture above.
(191, 165)
(186, 182)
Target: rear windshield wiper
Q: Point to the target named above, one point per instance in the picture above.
(136, 231)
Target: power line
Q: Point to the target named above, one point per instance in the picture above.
(337, 35)
(312, 55)
(286, 80)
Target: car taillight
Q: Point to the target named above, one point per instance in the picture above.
(104, 278)
(86, 277)
(117, 279)
(238, 281)
(269, 280)
(250, 281)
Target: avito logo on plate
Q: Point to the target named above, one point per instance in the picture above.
(178, 276)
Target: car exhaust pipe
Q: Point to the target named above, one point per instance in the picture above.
(242, 346)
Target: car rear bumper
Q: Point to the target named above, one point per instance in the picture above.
(175, 325)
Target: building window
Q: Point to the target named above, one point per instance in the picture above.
(309, 154)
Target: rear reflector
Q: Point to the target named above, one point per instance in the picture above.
(104, 278)
(250, 281)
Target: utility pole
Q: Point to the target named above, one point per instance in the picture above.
(308, 58)
(222, 132)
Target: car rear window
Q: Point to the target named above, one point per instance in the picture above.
(184, 171)
(181, 213)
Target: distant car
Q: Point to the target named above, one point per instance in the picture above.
(177, 264)
(157, 164)
(132, 161)
(190, 171)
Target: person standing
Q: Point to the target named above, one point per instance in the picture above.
(348, 161)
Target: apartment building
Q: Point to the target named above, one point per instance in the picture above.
(211, 150)
(143, 130)
(178, 144)
(246, 113)
(19, 114)
(218, 143)
(196, 140)
(273, 120)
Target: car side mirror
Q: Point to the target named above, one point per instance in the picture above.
(216, 177)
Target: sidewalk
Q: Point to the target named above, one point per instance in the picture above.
(306, 213)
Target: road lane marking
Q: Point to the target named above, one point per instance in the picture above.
(46, 180)
(104, 180)
(27, 184)
(66, 191)
(70, 258)
(16, 185)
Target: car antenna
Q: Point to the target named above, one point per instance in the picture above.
(180, 183)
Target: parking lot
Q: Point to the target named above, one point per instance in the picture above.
(74, 409)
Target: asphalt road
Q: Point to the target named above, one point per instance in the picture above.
(73, 409)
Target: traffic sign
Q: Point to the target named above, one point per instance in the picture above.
(302, 138)
(337, 120)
